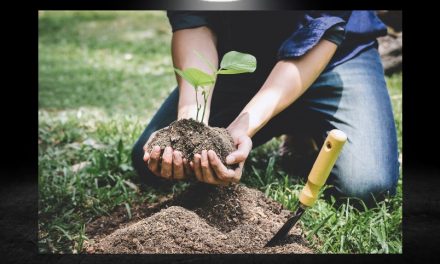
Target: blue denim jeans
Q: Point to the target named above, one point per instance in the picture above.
(352, 97)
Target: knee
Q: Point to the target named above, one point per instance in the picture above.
(368, 180)
(137, 153)
(373, 190)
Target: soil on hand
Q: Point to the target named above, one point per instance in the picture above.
(191, 137)
(206, 219)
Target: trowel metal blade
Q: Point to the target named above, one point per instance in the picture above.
(284, 230)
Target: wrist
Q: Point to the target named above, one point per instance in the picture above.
(241, 125)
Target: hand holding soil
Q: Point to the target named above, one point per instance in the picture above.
(170, 165)
(209, 168)
(208, 149)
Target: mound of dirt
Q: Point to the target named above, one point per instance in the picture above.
(191, 137)
(207, 219)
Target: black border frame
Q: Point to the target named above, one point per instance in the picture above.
(421, 223)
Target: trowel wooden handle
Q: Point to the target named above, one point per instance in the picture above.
(323, 165)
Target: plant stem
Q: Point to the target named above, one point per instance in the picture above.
(197, 102)
(204, 106)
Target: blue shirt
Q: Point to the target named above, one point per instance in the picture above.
(278, 35)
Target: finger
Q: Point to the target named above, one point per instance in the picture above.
(178, 172)
(153, 162)
(219, 169)
(146, 156)
(237, 173)
(208, 174)
(242, 152)
(166, 166)
(197, 167)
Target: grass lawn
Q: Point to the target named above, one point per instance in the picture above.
(102, 75)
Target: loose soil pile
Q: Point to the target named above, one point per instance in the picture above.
(206, 219)
(191, 137)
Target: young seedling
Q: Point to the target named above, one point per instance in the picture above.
(233, 62)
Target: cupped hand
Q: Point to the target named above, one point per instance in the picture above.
(171, 165)
(208, 167)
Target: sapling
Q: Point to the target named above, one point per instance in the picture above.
(233, 62)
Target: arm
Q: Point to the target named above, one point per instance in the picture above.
(303, 56)
(288, 80)
(183, 44)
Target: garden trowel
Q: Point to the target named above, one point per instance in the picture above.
(317, 178)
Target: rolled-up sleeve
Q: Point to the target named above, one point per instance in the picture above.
(314, 26)
(186, 19)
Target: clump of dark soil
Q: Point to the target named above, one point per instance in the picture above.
(191, 137)
(206, 219)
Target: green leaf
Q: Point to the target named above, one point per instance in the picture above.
(196, 77)
(235, 62)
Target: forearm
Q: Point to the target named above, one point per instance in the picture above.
(288, 80)
(184, 42)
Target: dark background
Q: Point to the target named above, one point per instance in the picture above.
(18, 190)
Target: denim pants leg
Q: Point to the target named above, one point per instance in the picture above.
(352, 97)
(368, 164)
